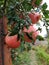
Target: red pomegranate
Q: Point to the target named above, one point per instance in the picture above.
(12, 41)
(35, 17)
(32, 30)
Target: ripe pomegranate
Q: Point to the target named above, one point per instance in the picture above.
(35, 17)
(12, 41)
(31, 30)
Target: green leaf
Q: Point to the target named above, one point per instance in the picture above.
(27, 6)
(40, 29)
(44, 6)
(46, 13)
(47, 20)
(38, 2)
(40, 37)
(46, 16)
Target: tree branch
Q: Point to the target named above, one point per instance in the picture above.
(4, 5)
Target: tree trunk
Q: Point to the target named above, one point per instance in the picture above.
(5, 57)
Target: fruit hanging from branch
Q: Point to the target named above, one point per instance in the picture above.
(35, 17)
(12, 41)
(18, 15)
(30, 34)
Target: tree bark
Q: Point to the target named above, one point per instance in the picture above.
(5, 55)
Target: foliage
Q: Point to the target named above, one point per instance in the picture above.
(20, 58)
(42, 56)
(13, 9)
(20, 55)
(47, 50)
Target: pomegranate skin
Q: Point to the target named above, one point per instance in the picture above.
(12, 41)
(32, 30)
(35, 17)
